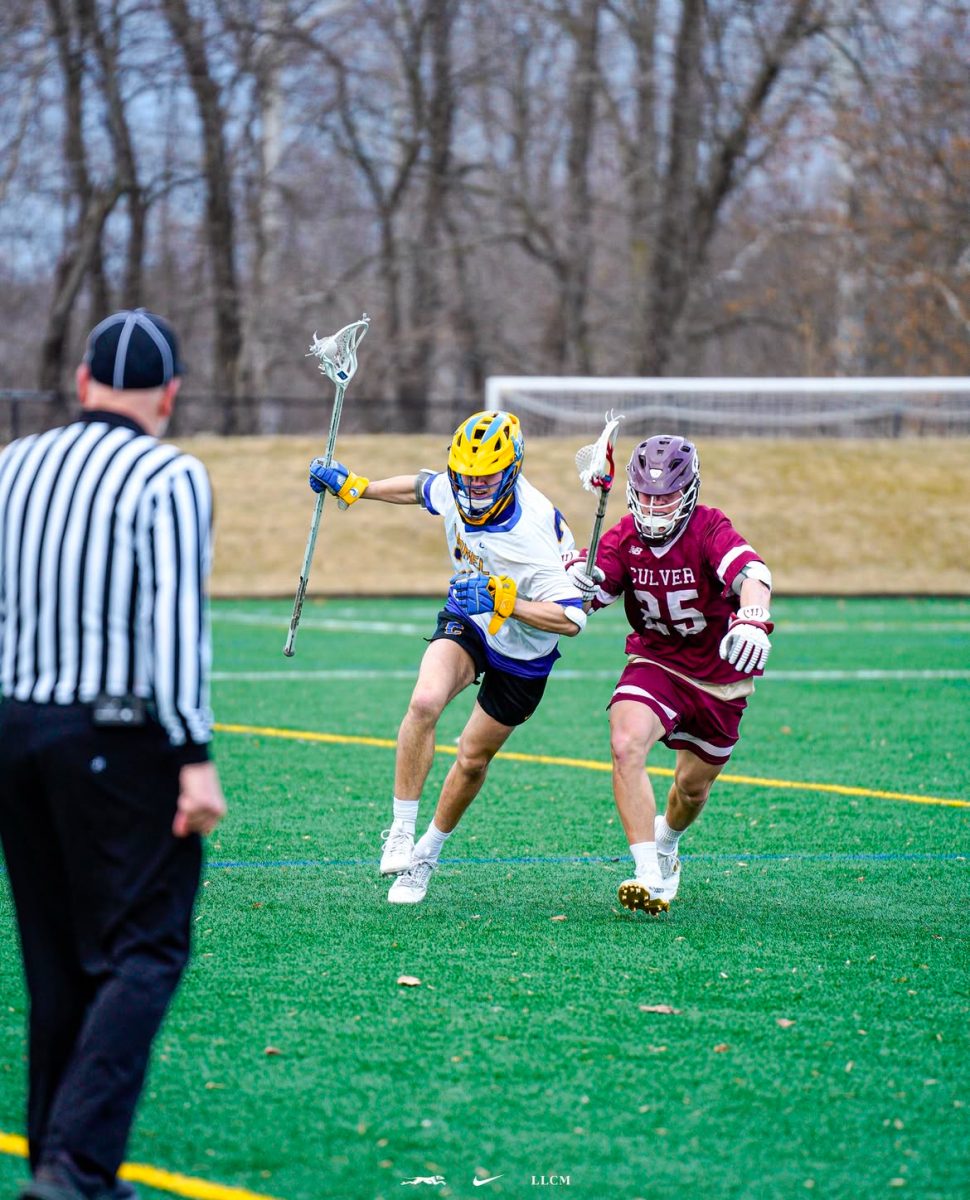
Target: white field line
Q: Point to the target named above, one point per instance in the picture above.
(860, 676)
(336, 625)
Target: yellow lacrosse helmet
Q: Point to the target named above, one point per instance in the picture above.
(484, 444)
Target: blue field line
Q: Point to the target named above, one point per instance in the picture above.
(592, 859)
(553, 860)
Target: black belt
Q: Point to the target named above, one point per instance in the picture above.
(106, 712)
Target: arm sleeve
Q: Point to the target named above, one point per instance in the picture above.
(610, 562)
(181, 534)
(421, 481)
(435, 492)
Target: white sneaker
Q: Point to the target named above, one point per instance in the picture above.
(412, 886)
(646, 893)
(398, 844)
(669, 869)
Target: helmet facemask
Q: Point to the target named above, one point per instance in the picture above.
(660, 467)
(486, 444)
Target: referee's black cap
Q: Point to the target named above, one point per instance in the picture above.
(133, 349)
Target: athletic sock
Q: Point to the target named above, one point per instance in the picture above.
(644, 858)
(667, 838)
(406, 811)
(428, 846)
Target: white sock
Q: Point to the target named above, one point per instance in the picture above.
(667, 838)
(644, 858)
(428, 846)
(406, 811)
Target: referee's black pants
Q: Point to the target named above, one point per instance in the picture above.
(104, 894)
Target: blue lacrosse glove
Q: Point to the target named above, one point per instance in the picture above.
(471, 593)
(337, 479)
(484, 593)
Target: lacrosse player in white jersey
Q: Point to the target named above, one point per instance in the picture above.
(509, 602)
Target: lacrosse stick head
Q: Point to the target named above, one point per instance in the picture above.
(663, 480)
(595, 461)
(338, 352)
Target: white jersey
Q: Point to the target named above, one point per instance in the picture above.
(527, 543)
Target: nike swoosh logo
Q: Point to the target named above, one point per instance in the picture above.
(480, 1182)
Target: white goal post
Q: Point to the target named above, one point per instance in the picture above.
(797, 406)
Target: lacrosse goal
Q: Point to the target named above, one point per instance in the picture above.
(936, 406)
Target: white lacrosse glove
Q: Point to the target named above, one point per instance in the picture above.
(745, 645)
(584, 581)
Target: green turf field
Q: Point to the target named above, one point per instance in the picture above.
(815, 960)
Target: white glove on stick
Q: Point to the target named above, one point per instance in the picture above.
(584, 578)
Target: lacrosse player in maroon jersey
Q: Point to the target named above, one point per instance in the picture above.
(696, 596)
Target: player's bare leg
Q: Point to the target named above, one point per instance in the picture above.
(693, 778)
(688, 794)
(634, 730)
(480, 741)
(446, 669)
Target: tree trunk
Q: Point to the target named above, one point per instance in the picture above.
(575, 351)
(220, 219)
(417, 382)
(673, 251)
(81, 254)
(107, 52)
(75, 262)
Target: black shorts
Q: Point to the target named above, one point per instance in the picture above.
(507, 698)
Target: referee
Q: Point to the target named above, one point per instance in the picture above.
(105, 778)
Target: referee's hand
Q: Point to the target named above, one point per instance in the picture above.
(201, 804)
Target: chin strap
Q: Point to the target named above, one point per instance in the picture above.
(502, 590)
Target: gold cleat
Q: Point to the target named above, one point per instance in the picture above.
(636, 897)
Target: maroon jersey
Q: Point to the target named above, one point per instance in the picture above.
(678, 597)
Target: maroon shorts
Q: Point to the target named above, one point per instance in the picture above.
(693, 720)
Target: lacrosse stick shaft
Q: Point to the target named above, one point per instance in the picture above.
(289, 649)
(596, 471)
(594, 537)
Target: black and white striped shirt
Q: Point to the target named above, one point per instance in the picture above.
(105, 548)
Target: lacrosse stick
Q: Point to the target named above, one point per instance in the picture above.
(338, 361)
(595, 465)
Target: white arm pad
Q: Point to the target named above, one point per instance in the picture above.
(576, 615)
(420, 480)
(752, 570)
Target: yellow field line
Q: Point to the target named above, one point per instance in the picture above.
(588, 764)
(164, 1181)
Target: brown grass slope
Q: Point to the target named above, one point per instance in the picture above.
(830, 517)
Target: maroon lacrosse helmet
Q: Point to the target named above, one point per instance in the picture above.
(659, 467)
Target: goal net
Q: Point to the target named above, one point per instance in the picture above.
(735, 407)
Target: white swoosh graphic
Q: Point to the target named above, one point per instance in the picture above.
(491, 1179)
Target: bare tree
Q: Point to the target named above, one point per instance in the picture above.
(105, 31)
(89, 203)
(189, 34)
(435, 103)
(705, 160)
(546, 192)
(631, 186)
